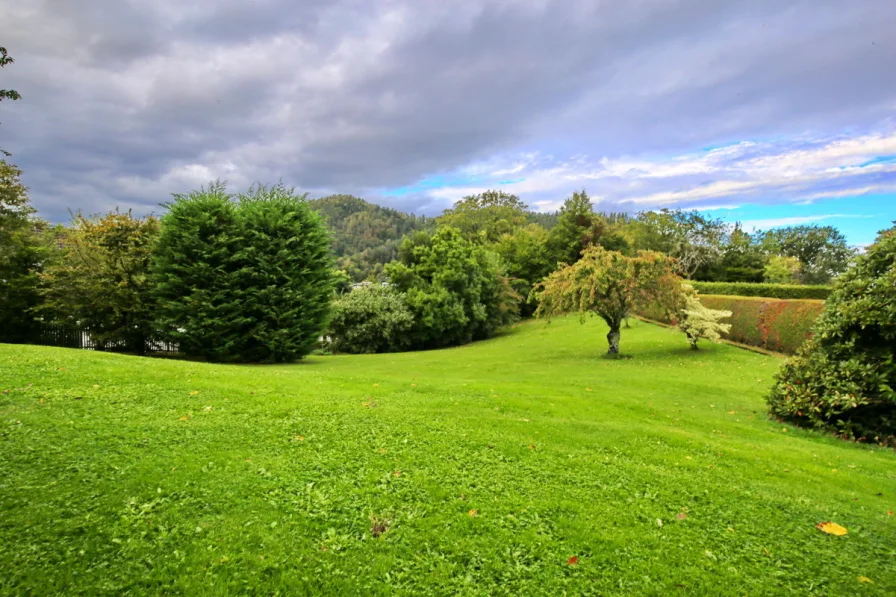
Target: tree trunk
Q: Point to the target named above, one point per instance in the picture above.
(613, 339)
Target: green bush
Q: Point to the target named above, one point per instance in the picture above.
(781, 291)
(243, 279)
(373, 319)
(454, 288)
(844, 378)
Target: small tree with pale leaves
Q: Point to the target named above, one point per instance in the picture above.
(698, 321)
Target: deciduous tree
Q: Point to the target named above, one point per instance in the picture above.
(101, 282)
(610, 285)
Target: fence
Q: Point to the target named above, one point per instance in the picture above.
(77, 338)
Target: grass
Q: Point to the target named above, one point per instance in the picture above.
(479, 470)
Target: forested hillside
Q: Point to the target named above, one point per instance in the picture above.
(365, 236)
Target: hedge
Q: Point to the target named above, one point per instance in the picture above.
(772, 324)
(780, 291)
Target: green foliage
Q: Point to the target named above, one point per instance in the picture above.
(371, 319)
(693, 239)
(484, 218)
(782, 291)
(821, 250)
(245, 278)
(365, 236)
(527, 260)
(781, 269)
(698, 321)
(455, 289)
(578, 227)
(844, 378)
(611, 285)
(742, 260)
(26, 247)
(9, 94)
(101, 281)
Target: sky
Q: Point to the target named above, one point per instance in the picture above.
(767, 112)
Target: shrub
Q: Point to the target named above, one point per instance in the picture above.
(781, 291)
(844, 378)
(698, 321)
(243, 279)
(454, 288)
(372, 319)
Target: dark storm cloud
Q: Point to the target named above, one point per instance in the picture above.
(125, 102)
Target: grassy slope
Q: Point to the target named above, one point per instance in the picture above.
(270, 483)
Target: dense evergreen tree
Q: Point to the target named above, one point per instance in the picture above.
(245, 278)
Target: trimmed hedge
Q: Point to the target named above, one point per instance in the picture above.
(779, 291)
(772, 324)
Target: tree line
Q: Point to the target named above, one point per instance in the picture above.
(225, 275)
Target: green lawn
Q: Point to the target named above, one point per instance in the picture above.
(489, 465)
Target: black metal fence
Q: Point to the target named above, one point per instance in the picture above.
(64, 337)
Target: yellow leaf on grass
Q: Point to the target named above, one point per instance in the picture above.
(865, 579)
(831, 528)
(194, 393)
(473, 513)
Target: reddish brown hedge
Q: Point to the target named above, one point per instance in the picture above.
(781, 325)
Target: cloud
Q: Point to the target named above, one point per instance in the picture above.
(125, 102)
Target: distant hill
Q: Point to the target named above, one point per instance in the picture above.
(365, 236)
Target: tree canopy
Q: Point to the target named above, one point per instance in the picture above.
(610, 285)
(101, 281)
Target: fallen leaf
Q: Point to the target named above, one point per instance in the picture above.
(587, 389)
(376, 385)
(473, 513)
(573, 560)
(382, 450)
(524, 420)
(185, 418)
(531, 446)
(413, 385)
(300, 438)
(865, 579)
(681, 516)
(889, 513)
(194, 393)
(96, 386)
(368, 404)
(659, 522)
(731, 412)
(831, 528)
(396, 473)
